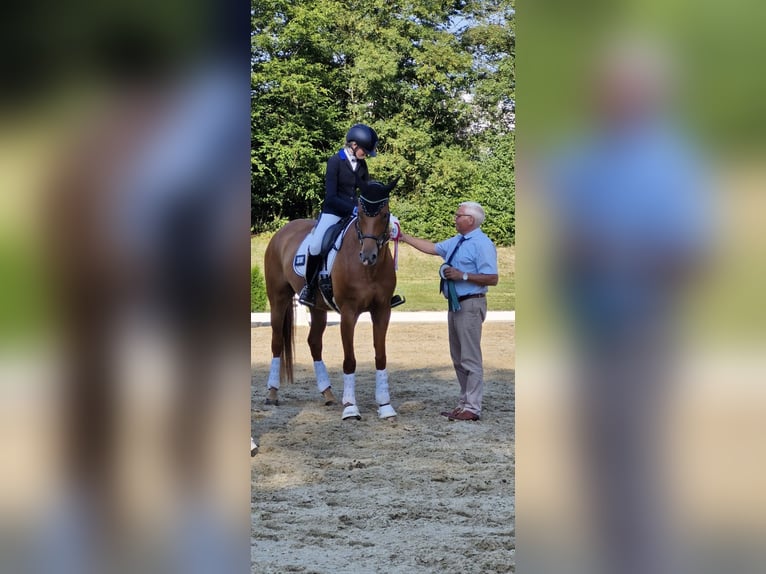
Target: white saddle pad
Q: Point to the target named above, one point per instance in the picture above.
(299, 261)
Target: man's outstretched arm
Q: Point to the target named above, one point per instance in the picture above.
(420, 244)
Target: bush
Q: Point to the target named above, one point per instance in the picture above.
(257, 290)
(455, 177)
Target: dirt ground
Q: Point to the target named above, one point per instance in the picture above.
(419, 494)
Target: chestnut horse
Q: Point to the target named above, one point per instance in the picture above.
(363, 279)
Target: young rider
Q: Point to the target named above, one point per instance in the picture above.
(344, 171)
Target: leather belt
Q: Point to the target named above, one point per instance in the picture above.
(473, 296)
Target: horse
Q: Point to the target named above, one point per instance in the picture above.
(363, 279)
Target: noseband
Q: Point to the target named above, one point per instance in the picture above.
(372, 209)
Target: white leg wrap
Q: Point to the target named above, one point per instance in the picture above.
(381, 387)
(323, 378)
(349, 391)
(273, 374)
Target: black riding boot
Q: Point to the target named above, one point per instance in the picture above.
(308, 293)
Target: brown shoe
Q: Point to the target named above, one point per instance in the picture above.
(464, 415)
(453, 412)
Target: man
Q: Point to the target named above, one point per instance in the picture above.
(632, 221)
(345, 170)
(470, 267)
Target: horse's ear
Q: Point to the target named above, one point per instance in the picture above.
(392, 184)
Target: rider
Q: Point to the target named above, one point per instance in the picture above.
(344, 171)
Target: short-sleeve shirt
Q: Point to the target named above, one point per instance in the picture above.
(477, 254)
(632, 201)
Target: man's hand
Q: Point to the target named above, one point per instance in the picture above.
(453, 274)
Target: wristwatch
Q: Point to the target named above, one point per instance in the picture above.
(465, 276)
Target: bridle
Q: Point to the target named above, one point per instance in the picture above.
(372, 209)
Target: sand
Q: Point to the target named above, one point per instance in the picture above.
(417, 494)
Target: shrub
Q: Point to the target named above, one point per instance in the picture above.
(257, 290)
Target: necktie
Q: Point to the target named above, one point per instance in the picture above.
(450, 293)
(459, 243)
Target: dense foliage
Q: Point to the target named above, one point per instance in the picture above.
(434, 78)
(257, 290)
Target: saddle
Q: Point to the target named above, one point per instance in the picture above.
(331, 242)
(330, 237)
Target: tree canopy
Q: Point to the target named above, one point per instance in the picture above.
(434, 78)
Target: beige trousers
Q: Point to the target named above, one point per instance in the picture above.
(465, 349)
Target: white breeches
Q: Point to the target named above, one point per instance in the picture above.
(326, 220)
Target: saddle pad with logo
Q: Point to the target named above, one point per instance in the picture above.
(299, 261)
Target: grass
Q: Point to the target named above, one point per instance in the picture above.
(418, 278)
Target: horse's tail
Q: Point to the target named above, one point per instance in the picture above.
(288, 346)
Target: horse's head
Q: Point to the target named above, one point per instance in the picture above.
(372, 224)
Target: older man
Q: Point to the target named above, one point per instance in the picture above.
(632, 221)
(470, 267)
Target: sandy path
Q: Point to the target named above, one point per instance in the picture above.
(420, 494)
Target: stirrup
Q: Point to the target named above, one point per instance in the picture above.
(397, 300)
(325, 283)
(307, 296)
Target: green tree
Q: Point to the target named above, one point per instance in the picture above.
(434, 78)
(294, 117)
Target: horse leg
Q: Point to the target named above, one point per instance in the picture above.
(380, 319)
(318, 325)
(347, 326)
(280, 306)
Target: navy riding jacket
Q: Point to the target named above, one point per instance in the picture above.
(341, 183)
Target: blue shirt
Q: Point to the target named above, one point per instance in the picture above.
(477, 254)
(634, 203)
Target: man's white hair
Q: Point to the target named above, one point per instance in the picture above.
(474, 209)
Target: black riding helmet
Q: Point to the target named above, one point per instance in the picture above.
(365, 137)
